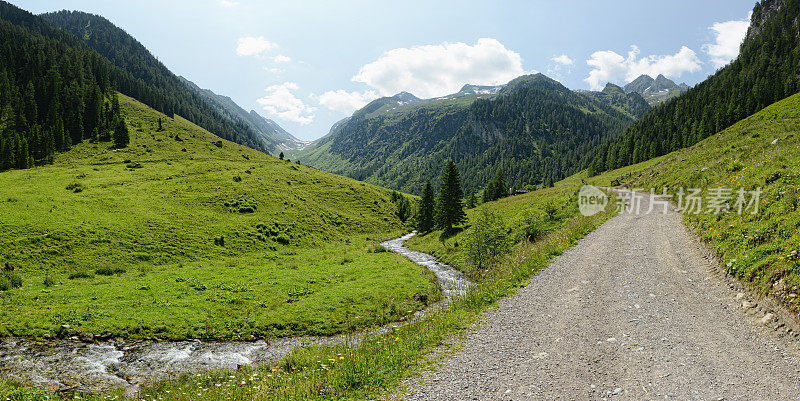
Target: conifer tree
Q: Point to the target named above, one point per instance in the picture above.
(449, 210)
(280, 156)
(472, 201)
(425, 214)
(121, 136)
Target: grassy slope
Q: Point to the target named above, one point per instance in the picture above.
(299, 263)
(761, 249)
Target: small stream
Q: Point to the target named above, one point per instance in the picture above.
(94, 367)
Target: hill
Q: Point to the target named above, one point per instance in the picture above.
(759, 152)
(533, 129)
(185, 235)
(656, 90)
(766, 71)
(169, 93)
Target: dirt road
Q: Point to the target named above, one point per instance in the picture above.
(635, 311)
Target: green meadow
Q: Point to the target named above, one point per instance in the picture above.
(181, 235)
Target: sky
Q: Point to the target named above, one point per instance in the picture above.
(308, 64)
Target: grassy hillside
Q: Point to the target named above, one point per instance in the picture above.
(763, 151)
(182, 235)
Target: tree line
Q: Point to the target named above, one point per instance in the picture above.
(51, 96)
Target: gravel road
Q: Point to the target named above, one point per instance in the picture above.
(636, 311)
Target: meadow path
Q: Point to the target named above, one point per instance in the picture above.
(635, 311)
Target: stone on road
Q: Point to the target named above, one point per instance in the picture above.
(635, 311)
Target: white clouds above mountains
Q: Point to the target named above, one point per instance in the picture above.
(436, 70)
(609, 66)
(280, 101)
(252, 46)
(728, 37)
(563, 60)
(345, 102)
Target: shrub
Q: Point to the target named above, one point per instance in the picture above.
(49, 281)
(80, 274)
(734, 166)
(107, 270)
(487, 239)
(532, 227)
(551, 210)
(9, 280)
(76, 187)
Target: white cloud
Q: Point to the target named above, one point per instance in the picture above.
(563, 60)
(274, 70)
(228, 3)
(608, 66)
(251, 46)
(345, 102)
(282, 59)
(437, 70)
(728, 37)
(281, 102)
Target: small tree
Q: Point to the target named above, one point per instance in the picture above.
(487, 239)
(425, 213)
(121, 135)
(472, 201)
(280, 156)
(449, 210)
(160, 127)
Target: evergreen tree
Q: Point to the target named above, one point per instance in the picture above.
(280, 156)
(160, 127)
(121, 136)
(449, 210)
(472, 201)
(425, 214)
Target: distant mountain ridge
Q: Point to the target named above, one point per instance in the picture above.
(533, 129)
(656, 90)
(273, 135)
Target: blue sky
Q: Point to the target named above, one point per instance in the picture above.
(307, 64)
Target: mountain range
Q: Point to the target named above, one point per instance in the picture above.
(656, 90)
(533, 130)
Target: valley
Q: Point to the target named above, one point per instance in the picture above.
(174, 224)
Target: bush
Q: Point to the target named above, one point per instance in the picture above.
(80, 274)
(487, 239)
(10, 280)
(532, 227)
(49, 281)
(551, 210)
(76, 187)
(107, 271)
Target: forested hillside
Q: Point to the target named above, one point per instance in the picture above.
(535, 131)
(54, 92)
(144, 78)
(766, 71)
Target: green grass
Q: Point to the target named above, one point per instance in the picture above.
(377, 366)
(760, 249)
(183, 236)
(515, 211)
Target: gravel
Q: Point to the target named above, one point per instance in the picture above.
(636, 310)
